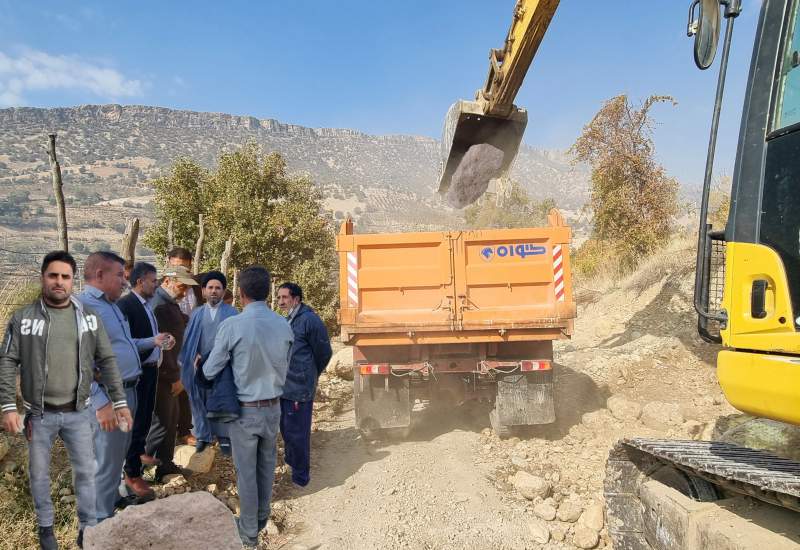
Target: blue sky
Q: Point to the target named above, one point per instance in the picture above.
(378, 67)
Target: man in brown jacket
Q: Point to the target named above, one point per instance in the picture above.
(161, 439)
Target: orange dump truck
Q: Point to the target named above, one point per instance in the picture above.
(442, 317)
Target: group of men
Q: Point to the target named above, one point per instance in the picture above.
(110, 374)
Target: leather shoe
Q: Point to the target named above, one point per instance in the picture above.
(200, 446)
(139, 487)
(148, 460)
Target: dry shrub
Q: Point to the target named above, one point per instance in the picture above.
(633, 202)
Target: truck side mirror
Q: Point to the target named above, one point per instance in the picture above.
(705, 29)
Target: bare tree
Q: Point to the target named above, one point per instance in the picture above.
(226, 256)
(58, 190)
(198, 249)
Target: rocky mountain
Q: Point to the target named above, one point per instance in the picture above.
(386, 182)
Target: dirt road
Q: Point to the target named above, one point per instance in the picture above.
(432, 490)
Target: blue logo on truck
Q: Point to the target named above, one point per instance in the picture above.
(513, 250)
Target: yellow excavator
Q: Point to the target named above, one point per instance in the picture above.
(747, 287)
(747, 296)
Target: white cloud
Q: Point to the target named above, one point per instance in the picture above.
(34, 70)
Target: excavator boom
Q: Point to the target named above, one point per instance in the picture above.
(481, 138)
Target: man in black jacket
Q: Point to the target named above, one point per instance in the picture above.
(143, 325)
(310, 354)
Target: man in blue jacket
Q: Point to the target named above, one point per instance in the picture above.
(311, 352)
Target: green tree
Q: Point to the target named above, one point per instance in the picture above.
(633, 201)
(275, 219)
(516, 209)
(181, 196)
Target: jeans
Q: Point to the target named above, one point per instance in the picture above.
(76, 431)
(253, 438)
(296, 432)
(111, 449)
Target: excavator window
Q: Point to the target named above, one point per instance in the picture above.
(788, 104)
(780, 200)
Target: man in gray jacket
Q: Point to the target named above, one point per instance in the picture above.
(56, 344)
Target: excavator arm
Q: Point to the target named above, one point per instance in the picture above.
(481, 138)
(508, 66)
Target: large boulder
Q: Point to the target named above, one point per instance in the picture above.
(530, 486)
(759, 433)
(191, 520)
(341, 364)
(188, 458)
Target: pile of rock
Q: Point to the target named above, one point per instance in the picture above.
(556, 517)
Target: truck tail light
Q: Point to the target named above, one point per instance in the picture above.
(528, 366)
(379, 368)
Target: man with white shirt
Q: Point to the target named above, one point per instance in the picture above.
(197, 344)
(143, 324)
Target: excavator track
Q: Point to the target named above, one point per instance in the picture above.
(706, 471)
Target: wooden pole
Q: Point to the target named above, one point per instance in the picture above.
(235, 287)
(226, 257)
(58, 190)
(198, 249)
(170, 235)
(128, 248)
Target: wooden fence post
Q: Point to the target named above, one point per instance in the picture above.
(128, 248)
(198, 249)
(58, 190)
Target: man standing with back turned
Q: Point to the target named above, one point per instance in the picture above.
(56, 344)
(257, 344)
(311, 352)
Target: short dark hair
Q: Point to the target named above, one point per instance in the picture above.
(95, 260)
(294, 290)
(180, 253)
(254, 282)
(59, 256)
(214, 276)
(140, 269)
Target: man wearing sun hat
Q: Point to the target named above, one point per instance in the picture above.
(161, 439)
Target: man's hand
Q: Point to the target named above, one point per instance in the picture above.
(124, 419)
(107, 418)
(12, 422)
(177, 388)
(161, 338)
(197, 361)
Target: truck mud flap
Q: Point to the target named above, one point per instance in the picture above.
(381, 401)
(524, 400)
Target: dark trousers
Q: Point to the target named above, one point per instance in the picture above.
(296, 432)
(146, 396)
(161, 439)
(184, 415)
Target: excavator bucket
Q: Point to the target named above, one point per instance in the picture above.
(477, 148)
